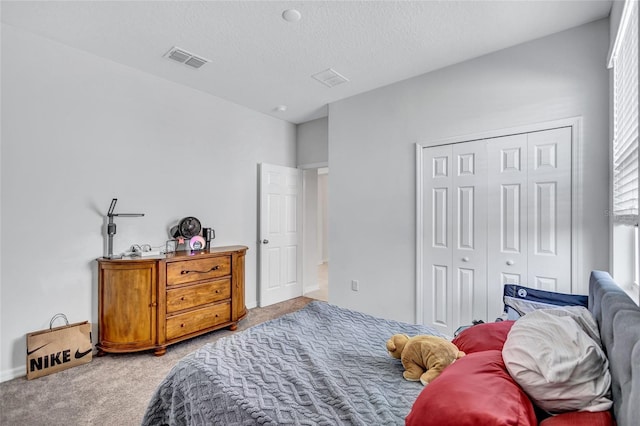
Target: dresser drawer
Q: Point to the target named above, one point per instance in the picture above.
(197, 320)
(198, 269)
(198, 294)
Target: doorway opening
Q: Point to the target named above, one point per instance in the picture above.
(314, 239)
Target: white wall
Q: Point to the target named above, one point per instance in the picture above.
(372, 154)
(313, 143)
(615, 16)
(78, 130)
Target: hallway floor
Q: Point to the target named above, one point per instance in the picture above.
(322, 293)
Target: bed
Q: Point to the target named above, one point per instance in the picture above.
(325, 365)
(618, 319)
(321, 365)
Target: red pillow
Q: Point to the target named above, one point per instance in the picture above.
(580, 418)
(474, 390)
(483, 337)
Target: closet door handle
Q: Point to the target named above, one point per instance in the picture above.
(510, 262)
(465, 259)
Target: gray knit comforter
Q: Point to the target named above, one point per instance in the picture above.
(321, 365)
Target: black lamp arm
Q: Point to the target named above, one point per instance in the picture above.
(111, 227)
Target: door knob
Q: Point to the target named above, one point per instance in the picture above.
(465, 259)
(265, 241)
(510, 262)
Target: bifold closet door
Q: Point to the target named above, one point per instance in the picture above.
(455, 234)
(529, 218)
(495, 211)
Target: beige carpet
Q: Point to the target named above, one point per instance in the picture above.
(110, 390)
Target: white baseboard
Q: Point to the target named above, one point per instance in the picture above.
(310, 289)
(14, 373)
(251, 305)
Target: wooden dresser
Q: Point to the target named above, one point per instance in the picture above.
(150, 303)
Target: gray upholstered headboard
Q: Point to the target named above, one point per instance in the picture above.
(618, 318)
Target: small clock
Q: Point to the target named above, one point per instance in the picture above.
(196, 243)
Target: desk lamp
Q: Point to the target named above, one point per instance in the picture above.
(111, 227)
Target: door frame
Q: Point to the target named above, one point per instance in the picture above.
(576, 195)
(308, 287)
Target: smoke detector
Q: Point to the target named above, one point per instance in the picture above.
(291, 15)
(180, 55)
(330, 77)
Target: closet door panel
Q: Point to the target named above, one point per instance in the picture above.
(438, 237)
(506, 217)
(549, 202)
(469, 255)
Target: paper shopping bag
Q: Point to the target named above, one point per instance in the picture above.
(59, 348)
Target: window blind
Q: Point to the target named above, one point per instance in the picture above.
(624, 60)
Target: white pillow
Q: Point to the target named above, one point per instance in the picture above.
(561, 368)
(582, 316)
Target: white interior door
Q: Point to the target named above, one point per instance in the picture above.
(455, 235)
(279, 248)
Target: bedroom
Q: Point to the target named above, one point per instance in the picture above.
(79, 130)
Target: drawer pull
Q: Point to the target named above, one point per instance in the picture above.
(181, 325)
(182, 298)
(218, 291)
(214, 268)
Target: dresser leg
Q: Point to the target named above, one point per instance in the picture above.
(160, 351)
(233, 326)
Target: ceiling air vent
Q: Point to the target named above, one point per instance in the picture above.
(330, 77)
(184, 57)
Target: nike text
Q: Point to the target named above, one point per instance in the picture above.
(50, 360)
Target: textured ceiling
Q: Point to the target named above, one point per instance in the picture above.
(261, 61)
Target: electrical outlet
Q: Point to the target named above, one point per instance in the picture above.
(355, 285)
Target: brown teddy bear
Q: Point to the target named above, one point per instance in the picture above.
(423, 357)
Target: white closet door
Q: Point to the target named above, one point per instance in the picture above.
(549, 201)
(495, 211)
(529, 215)
(455, 235)
(507, 217)
(469, 248)
(437, 238)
